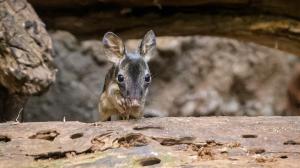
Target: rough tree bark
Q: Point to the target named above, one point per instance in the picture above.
(25, 57)
(157, 142)
(272, 23)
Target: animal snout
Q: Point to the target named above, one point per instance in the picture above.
(136, 93)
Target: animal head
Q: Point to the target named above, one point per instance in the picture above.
(131, 71)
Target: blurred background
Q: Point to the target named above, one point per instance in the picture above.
(227, 57)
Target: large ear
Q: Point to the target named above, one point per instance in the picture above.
(114, 47)
(147, 45)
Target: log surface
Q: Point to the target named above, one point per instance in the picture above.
(160, 142)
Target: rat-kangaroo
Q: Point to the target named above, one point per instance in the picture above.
(126, 83)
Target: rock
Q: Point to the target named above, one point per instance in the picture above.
(196, 76)
(192, 76)
(79, 81)
(293, 93)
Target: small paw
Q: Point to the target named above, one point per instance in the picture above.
(122, 106)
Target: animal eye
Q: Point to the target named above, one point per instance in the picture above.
(147, 78)
(120, 78)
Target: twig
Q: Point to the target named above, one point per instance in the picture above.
(17, 119)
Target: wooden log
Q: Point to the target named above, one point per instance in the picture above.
(161, 142)
(25, 57)
(287, 7)
(271, 23)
